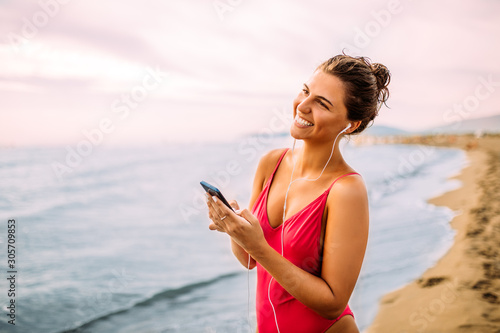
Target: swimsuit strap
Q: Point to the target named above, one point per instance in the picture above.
(340, 177)
(283, 155)
(277, 165)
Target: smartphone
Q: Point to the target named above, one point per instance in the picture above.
(212, 190)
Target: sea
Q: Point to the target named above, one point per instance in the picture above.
(116, 239)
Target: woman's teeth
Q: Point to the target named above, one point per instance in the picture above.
(302, 121)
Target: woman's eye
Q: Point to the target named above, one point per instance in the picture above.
(305, 91)
(322, 104)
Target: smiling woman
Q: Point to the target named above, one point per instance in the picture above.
(308, 241)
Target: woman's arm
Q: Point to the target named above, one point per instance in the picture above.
(346, 236)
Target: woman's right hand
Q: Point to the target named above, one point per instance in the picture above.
(238, 251)
(241, 225)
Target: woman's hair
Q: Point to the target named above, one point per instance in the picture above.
(365, 86)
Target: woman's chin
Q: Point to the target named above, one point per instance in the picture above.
(296, 133)
(293, 133)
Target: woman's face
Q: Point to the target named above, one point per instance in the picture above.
(319, 111)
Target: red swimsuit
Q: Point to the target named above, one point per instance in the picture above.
(301, 247)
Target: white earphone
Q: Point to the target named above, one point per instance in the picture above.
(345, 129)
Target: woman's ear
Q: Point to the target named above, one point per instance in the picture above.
(354, 126)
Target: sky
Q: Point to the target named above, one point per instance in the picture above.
(155, 72)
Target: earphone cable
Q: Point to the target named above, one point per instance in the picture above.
(248, 294)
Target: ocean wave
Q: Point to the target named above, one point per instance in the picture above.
(163, 295)
(396, 180)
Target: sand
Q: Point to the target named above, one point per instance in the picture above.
(461, 293)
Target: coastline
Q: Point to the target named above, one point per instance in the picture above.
(461, 292)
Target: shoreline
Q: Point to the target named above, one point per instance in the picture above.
(461, 292)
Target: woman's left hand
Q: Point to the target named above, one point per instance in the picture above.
(242, 226)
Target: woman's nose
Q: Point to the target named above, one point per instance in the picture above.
(304, 106)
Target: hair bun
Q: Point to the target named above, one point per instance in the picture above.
(383, 77)
(365, 86)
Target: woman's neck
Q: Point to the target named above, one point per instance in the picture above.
(312, 157)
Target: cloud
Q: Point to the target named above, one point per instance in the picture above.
(253, 60)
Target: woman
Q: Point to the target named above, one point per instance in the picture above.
(308, 225)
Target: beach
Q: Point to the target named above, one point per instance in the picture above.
(461, 293)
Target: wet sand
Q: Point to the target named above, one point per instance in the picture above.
(461, 293)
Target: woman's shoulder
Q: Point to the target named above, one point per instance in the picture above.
(268, 162)
(270, 159)
(348, 187)
(273, 155)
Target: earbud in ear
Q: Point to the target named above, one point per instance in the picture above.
(345, 129)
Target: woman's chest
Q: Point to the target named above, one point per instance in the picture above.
(282, 206)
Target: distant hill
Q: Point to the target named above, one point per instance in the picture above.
(476, 125)
(381, 130)
(466, 126)
(482, 125)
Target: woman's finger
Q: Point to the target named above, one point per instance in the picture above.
(213, 226)
(212, 205)
(234, 204)
(245, 213)
(221, 209)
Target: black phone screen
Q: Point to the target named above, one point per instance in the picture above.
(212, 190)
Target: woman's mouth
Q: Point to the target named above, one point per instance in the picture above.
(300, 122)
